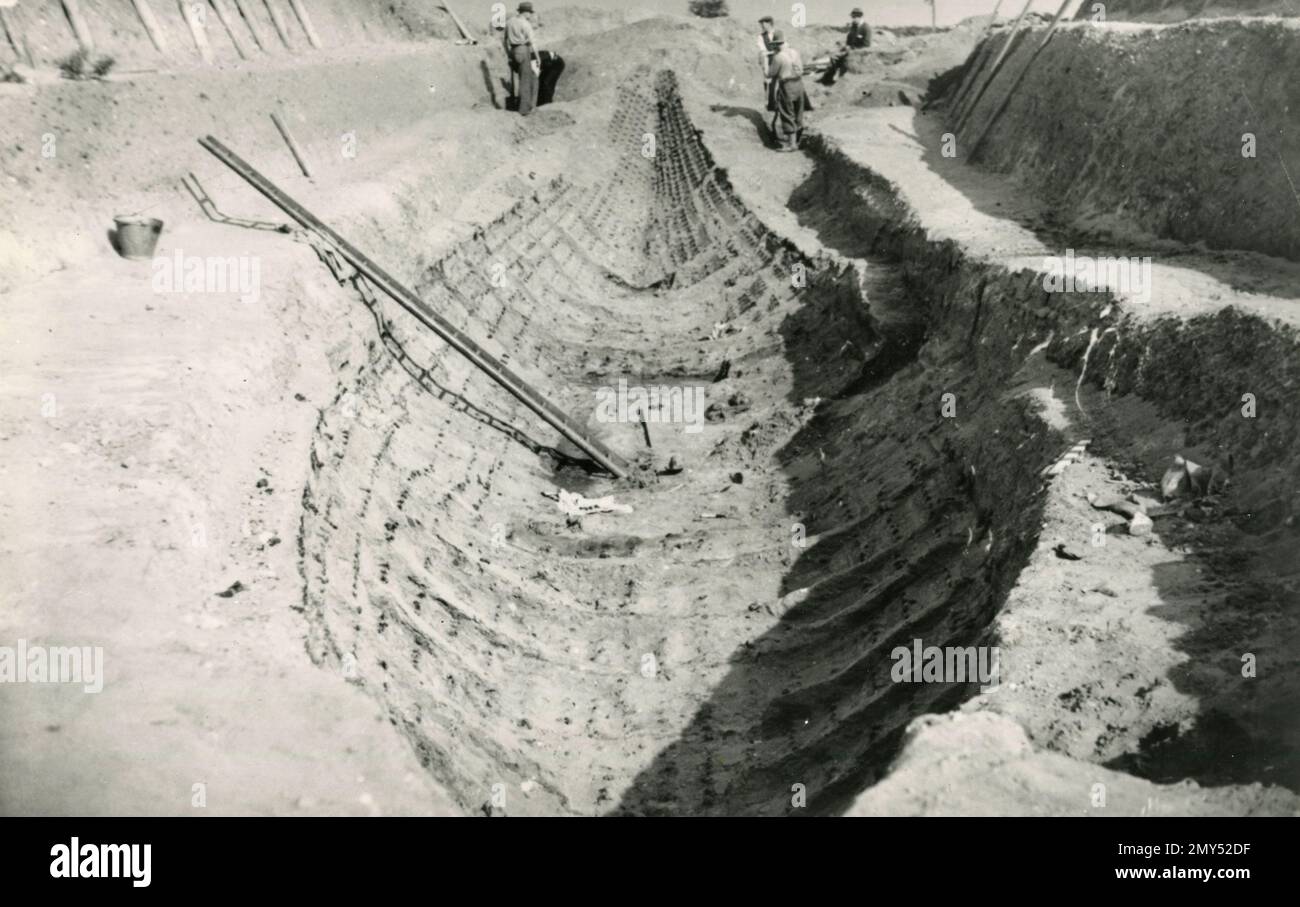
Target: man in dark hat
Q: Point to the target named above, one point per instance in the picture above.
(859, 33)
(521, 51)
(857, 37)
(788, 96)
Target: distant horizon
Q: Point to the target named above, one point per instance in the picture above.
(886, 13)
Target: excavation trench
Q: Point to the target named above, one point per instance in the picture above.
(730, 638)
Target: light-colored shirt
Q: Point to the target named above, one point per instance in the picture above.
(518, 31)
(786, 64)
(764, 55)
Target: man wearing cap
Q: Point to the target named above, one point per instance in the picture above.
(786, 74)
(857, 37)
(765, 50)
(859, 33)
(522, 54)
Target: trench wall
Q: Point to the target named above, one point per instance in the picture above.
(1178, 10)
(43, 29)
(1194, 370)
(1139, 128)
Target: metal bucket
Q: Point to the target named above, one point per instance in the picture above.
(137, 237)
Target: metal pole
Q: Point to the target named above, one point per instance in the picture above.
(420, 310)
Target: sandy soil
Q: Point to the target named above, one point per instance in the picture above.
(172, 462)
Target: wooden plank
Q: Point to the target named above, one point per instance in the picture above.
(422, 312)
(981, 56)
(79, 27)
(1006, 100)
(292, 143)
(11, 35)
(300, 10)
(150, 22)
(253, 28)
(277, 20)
(191, 11)
(227, 18)
(14, 24)
(459, 24)
(993, 71)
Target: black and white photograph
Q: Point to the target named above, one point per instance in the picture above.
(649, 408)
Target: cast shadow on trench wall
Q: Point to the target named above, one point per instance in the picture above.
(809, 704)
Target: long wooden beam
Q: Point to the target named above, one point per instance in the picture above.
(194, 18)
(459, 24)
(278, 22)
(421, 311)
(289, 140)
(978, 57)
(14, 36)
(965, 115)
(251, 24)
(1006, 100)
(299, 8)
(227, 18)
(151, 26)
(79, 27)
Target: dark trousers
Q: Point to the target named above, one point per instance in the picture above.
(788, 122)
(839, 66)
(552, 68)
(521, 63)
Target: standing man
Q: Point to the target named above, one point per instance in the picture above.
(522, 54)
(766, 49)
(786, 75)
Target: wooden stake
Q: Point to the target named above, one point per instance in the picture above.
(459, 24)
(300, 10)
(977, 63)
(79, 26)
(14, 25)
(277, 19)
(993, 70)
(228, 20)
(293, 145)
(1006, 100)
(242, 6)
(150, 21)
(11, 35)
(978, 59)
(196, 30)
